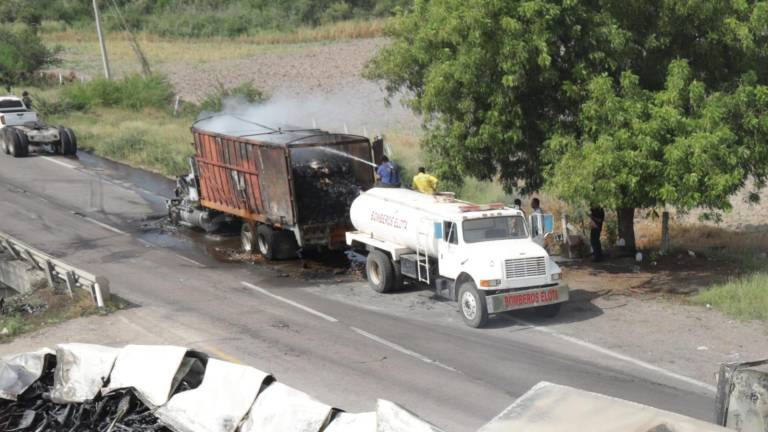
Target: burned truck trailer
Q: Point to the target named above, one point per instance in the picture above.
(290, 188)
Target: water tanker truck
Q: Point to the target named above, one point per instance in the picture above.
(482, 256)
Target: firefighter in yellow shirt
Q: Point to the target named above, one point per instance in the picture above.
(424, 182)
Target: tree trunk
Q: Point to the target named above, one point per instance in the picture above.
(626, 222)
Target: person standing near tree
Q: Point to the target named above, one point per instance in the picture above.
(596, 218)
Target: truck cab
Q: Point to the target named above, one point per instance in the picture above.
(489, 262)
(22, 132)
(482, 256)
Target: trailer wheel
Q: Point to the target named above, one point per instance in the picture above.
(20, 144)
(380, 272)
(265, 241)
(472, 305)
(549, 311)
(284, 245)
(247, 237)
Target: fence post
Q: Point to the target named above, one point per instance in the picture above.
(176, 105)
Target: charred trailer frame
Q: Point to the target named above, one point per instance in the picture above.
(290, 188)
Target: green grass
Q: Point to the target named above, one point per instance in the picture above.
(744, 298)
(151, 139)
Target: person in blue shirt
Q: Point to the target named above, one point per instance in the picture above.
(387, 174)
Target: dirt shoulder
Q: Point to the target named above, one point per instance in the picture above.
(638, 314)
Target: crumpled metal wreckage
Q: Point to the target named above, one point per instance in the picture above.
(83, 387)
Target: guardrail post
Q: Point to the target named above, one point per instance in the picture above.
(101, 291)
(32, 259)
(49, 274)
(71, 283)
(10, 248)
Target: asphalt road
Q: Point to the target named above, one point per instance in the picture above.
(345, 353)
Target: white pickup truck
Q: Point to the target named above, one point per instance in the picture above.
(21, 132)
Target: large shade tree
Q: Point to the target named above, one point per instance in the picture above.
(627, 103)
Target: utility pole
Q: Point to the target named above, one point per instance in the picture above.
(104, 58)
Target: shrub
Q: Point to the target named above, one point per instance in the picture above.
(133, 92)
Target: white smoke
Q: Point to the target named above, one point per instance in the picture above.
(343, 111)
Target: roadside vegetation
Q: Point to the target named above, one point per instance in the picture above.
(200, 18)
(132, 119)
(743, 298)
(24, 313)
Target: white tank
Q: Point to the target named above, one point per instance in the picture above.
(402, 216)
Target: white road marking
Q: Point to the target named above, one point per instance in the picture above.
(401, 349)
(190, 260)
(620, 356)
(56, 161)
(105, 226)
(290, 302)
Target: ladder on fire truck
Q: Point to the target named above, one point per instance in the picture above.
(422, 259)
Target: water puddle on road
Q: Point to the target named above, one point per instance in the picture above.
(223, 246)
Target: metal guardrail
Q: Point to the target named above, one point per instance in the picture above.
(57, 270)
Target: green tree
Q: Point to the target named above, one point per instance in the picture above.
(513, 90)
(22, 53)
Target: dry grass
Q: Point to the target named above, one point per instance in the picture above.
(58, 308)
(699, 237)
(80, 50)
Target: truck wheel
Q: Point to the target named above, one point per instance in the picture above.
(68, 142)
(380, 272)
(265, 241)
(472, 305)
(247, 237)
(73, 142)
(549, 311)
(20, 145)
(284, 245)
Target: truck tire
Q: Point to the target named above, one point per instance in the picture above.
(549, 311)
(20, 145)
(380, 272)
(265, 241)
(247, 237)
(67, 142)
(284, 245)
(472, 305)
